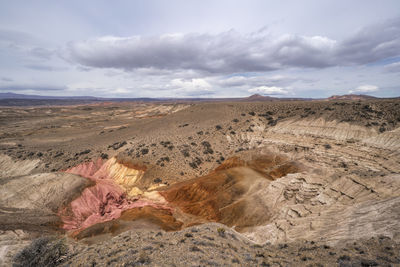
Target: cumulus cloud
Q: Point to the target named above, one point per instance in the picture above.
(231, 52)
(189, 87)
(193, 84)
(223, 53)
(364, 89)
(269, 90)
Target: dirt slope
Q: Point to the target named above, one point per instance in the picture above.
(273, 173)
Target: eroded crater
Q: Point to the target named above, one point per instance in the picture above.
(229, 195)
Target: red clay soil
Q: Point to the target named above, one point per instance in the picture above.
(101, 202)
(87, 169)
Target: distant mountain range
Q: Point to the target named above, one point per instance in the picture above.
(351, 97)
(9, 95)
(258, 97)
(23, 96)
(252, 98)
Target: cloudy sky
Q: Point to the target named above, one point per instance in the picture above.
(208, 48)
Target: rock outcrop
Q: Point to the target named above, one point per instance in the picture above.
(112, 193)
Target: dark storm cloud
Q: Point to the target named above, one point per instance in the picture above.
(373, 43)
(224, 53)
(231, 52)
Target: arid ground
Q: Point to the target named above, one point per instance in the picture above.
(271, 183)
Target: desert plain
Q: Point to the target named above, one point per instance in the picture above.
(186, 183)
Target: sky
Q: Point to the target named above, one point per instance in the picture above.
(208, 48)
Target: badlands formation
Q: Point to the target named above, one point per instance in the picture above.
(273, 183)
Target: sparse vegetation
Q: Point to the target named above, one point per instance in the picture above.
(207, 148)
(196, 152)
(87, 151)
(188, 235)
(221, 231)
(43, 251)
(195, 249)
(144, 151)
(157, 180)
(117, 145)
(165, 143)
(196, 162)
(185, 153)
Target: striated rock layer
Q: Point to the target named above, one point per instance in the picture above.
(228, 194)
(110, 195)
(264, 195)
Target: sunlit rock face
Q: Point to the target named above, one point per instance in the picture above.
(231, 193)
(340, 131)
(121, 172)
(267, 196)
(11, 168)
(110, 195)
